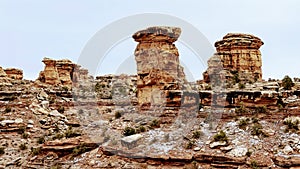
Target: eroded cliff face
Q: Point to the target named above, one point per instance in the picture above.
(240, 57)
(62, 73)
(14, 73)
(158, 66)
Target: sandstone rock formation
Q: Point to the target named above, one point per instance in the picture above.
(158, 66)
(62, 73)
(240, 57)
(2, 72)
(65, 71)
(50, 74)
(14, 73)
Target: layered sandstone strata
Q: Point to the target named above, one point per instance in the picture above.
(65, 70)
(14, 73)
(240, 57)
(158, 68)
(2, 72)
(50, 74)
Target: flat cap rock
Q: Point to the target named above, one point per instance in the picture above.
(158, 33)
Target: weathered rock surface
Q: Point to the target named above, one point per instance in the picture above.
(65, 70)
(2, 72)
(50, 74)
(158, 65)
(62, 73)
(14, 73)
(240, 58)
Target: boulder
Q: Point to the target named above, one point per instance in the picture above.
(131, 141)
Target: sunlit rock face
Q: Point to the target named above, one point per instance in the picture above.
(50, 74)
(240, 57)
(14, 73)
(158, 68)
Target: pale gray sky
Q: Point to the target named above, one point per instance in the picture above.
(32, 29)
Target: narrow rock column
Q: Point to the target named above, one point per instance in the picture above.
(50, 72)
(158, 68)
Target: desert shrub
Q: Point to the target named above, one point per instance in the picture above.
(65, 88)
(243, 123)
(25, 135)
(21, 130)
(118, 114)
(190, 144)
(71, 133)
(241, 110)
(254, 165)
(287, 83)
(36, 151)
(140, 129)
(257, 130)
(22, 146)
(80, 111)
(58, 136)
(260, 109)
(79, 149)
(129, 131)
(7, 109)
(41, 140)
(61, 109)
(291, 124)
(155, 123)
(254, 120)
(2, 150)
(248, 153)
(242, 86)
(220, 136)
(197, 134)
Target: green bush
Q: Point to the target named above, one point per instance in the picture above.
(41, 140)
(291, 125)
(118, 114)
(2, 150)
(79, 149)
(61, 109)
(36, 151)
(25, 135)
(7, 109)
(254, 165)
(140, 129)
(22, 146)
(242, 86)
(243, 123)
(155, 123)
(287, 83)
(71, 133)
(58, 136)
(260, 109)
(257, 130)
(128, 131)
(220, 136)
(241, 110)
(197, 134)
(190, 144)
(22, 130)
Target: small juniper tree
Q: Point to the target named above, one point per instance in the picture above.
(287, 83)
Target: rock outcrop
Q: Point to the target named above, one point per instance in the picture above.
(240, 57)
(50, 74)
(158, 68)
(14, 73)
(65, 70)
(2, 72)
(62, 73)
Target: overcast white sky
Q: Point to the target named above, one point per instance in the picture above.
(33, 29)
